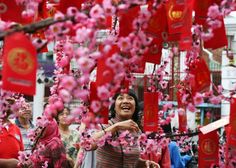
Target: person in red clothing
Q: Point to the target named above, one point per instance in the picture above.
(10, 141)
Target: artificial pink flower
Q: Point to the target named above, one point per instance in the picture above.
(198, 99)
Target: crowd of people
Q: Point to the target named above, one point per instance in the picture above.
(57, 141)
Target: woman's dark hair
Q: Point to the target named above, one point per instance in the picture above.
(135, 116)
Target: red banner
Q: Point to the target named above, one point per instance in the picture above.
(202, 78)
(64, 4)
(231, 132)
(103, 112)
(105, 74)
(208, 150)
(182, 120)
(10, 11)
(154, 51)
(176, 12)
(126, 20)
(20, 64)
(150, 111)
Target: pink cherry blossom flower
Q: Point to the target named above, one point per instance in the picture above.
(68, 83)
(96, 12)
(215, 100)
(96, 106)
(198, 99)
(124, 43)
(85, 64)
(82, 34)
(191, 107)
(103, 93)
(65, 95)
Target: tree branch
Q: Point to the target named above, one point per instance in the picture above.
(31, 28)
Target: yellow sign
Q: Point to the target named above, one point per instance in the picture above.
(20, 61)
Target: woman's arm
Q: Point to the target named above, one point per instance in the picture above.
(123, 125)
(147, 163)
(8, 163)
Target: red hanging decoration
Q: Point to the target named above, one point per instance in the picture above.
(20, 64)
(150, 111)
(202, 80)
(208, 149)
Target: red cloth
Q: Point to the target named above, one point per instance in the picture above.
(54, 152)
(162, 157)
(50, 132)
(10, 142)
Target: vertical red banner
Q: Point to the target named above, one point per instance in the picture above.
(19, 64)
(231, 132)
(150, 111)
(103, 112)
(182, 120)
(232, 122)
(208, 152)
(202, 77)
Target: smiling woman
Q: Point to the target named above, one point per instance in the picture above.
(124, 121)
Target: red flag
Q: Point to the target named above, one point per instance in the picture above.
(185, 42)
(158, 21)
(10, 11)
(182, 120)
(20, 63)
(150, 111)
(201, 73)
(126, 20)
(176, 12)
(64, 4)
(215, 42)
(105, 74)
(103, 112)
(208, 149)
(154, 52)
(232, 124)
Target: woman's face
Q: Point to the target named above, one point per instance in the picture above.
(125, 106)
(62, 117)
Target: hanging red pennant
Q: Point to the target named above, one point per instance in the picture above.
(150, 111)
(105, 74)
(232, 123)
(182, 120)
(10, 11)
(201, 9)
(208, 149)
(103, 112)
(126, 20)
(185, 42)
(65, 4)
(158, 21)
(20, 64)
(176, 11)
(215, 42)
(202, 79)
(154, 51)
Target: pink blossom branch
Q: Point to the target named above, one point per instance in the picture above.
(33, 27)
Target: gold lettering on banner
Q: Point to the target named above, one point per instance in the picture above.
(175, 14)
(20, 61)
(208, 146)
(3, 7)
(149, 116)
(154, 23)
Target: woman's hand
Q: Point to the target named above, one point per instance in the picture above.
(151, 164)
(127, 125)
